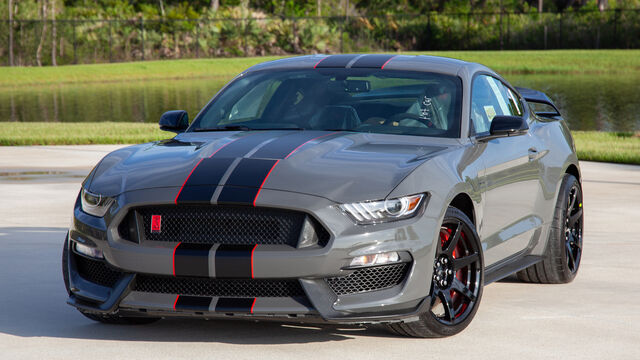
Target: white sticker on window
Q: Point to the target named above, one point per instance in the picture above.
(490, 111)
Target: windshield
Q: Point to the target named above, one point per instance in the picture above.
(363, 100)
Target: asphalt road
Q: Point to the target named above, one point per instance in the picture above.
(595, 317)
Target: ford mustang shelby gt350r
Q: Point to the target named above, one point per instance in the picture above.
(344, 188)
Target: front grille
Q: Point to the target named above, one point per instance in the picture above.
(369, 279)
(201, 224)
(218, 287)
(97, 271)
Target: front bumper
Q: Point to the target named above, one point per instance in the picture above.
(137, 265)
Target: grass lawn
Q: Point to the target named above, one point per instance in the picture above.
(591, 145)
(543, 62)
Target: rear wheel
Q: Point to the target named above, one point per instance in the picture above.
(564, 246)
(456, 284)
(106, 319)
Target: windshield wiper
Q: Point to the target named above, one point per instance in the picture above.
(225, 128)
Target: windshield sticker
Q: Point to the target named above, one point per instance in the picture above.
(425, 109)
(490, 111)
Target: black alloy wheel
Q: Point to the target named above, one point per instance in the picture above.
(563, 251)
(456, 282)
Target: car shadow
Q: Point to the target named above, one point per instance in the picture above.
(33, 304)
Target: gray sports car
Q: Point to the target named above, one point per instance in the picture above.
(342, 189)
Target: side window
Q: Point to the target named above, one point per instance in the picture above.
(251, 105)
(489, 97)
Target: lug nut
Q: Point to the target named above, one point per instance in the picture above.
(444, 260)
(450, 271)
(438, 277)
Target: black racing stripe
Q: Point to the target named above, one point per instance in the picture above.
(372, 61)
(233, 261)
(232, 195)
(250, 172)
(192, 260)
(234, 304)
(241, 147)
(336, 61)
(280, 148)
(201, 184)
(198, 303)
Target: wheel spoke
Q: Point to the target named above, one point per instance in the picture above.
(454, 240)
(572, 201)
(447, 304)
(463, 262)
(463, 289)
(573, 219)
(570, 256)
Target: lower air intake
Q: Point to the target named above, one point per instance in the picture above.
(97, 271)
(369, 279)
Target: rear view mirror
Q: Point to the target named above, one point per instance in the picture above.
(357, 86)
(176, 121)
(503, 126)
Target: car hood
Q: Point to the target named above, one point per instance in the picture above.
(339, 166)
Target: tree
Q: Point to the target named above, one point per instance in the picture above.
(53, 33)
(10, 33)
(43, 16)
(214, 5)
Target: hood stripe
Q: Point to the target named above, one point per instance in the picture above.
(283, 146)
(246, 177)
(233, 261)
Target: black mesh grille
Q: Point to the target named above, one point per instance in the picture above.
(369, 279)
(218, 287)
(97, 271)
(225, 225)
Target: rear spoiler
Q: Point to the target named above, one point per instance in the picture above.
(538, 97)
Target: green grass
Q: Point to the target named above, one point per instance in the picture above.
(548, 62)
(44, 133)
(614, 147)
(591, 145)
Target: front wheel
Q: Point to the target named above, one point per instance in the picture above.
(456, 284)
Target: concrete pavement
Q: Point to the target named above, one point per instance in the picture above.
(595, 317)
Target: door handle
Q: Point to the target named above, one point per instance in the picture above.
(533, 154)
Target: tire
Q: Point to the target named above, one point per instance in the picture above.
(457, 280)
(563, 251)
(105, 319)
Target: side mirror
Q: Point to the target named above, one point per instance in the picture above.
(503, 126)
(176, 121)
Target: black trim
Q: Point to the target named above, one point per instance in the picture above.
(197, 303)
(336, 61)
(192, 260)
(503, 270)
(233, 261)
(234, 304)
(372, 61)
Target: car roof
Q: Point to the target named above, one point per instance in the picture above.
(424, 63)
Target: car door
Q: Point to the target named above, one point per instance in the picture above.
(510, 174)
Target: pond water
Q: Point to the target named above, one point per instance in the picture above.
(587, 101)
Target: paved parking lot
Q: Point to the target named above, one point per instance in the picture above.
(595, 317)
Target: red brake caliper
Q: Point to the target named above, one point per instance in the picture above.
(444, 238)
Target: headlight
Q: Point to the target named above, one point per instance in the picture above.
(95, 204)
(370, 212)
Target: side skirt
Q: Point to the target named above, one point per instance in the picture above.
(501, 271)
